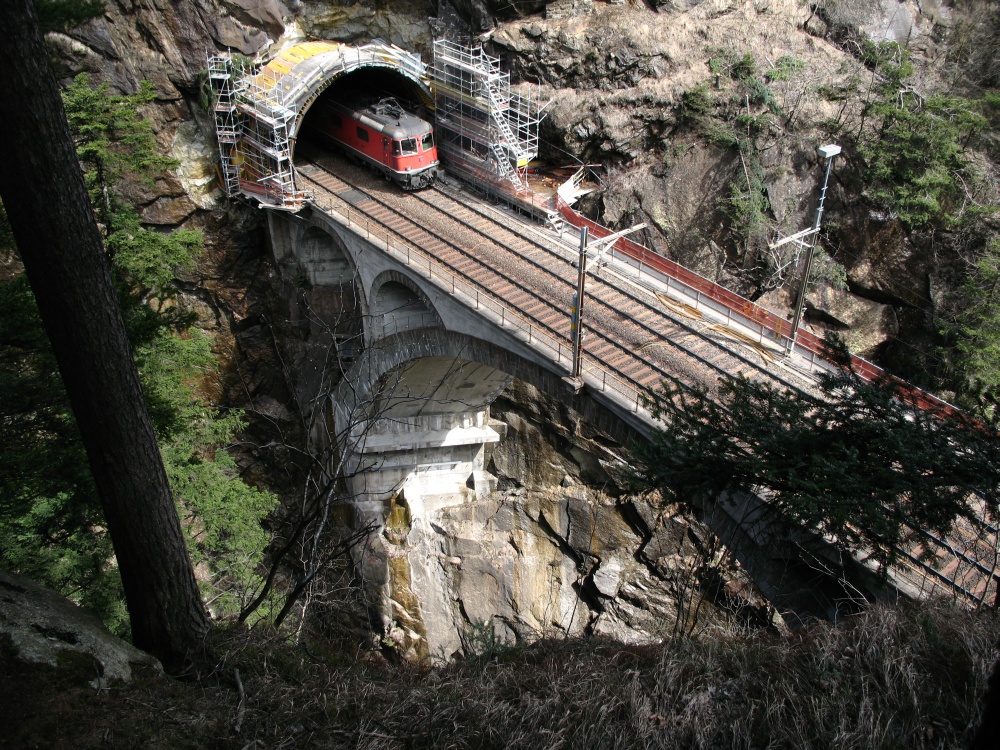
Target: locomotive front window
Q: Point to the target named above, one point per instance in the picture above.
(428, 141)
(409, 146)
(395, 148)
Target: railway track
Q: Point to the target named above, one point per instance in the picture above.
(637, 333)
(664, 320)
(631, 331)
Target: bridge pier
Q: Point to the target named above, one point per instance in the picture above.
(410, 470)
(430, 462)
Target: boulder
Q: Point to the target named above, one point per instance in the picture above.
(168, 211)
(261, 14)
(46, 628)
(526, 457)
(862, 323)
(884, 261)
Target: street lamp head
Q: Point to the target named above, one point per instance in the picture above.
(828, 152)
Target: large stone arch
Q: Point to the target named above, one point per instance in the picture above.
(399, 349)
(324, 257)
(423, 393)
(320, 253)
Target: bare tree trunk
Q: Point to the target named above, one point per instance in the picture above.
(46, 200)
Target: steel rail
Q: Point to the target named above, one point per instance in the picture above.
(602, 291)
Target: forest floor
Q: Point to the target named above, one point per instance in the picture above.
(906, 677)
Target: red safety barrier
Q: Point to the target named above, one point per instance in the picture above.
(745, 308)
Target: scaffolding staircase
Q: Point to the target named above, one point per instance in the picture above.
(502, 165)
(227, 122)
(486, 133)
(507, 148)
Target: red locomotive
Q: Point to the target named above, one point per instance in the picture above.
(385, 136)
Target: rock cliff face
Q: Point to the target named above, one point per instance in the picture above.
(617, 78)
(42, 627)
(557, 549)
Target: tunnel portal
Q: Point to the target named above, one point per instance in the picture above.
(260, 112)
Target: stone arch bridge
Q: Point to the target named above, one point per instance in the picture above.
(422, 368)
(411, 412)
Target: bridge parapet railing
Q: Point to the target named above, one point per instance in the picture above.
(627, 393)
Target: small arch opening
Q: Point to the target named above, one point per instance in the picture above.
(331, 299)
(396, 308)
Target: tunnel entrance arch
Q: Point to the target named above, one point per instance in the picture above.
(259, 111)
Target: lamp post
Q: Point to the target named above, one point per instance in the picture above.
(827, 152)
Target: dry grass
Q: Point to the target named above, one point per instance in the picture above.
(891, 678)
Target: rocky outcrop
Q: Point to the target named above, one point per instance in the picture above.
(483, 15)
(617, 78)
(863, 324)
(165, 45)
(403, 23)
(46, 628)
(522, 564)
(547, 555)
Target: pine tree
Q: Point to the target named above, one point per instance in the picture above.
(45, 197)
(857, 462)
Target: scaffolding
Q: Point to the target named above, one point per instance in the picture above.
(252, 124)
(485, 133)
(227, 120)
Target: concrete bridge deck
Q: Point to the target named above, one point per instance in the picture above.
(641, 329)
